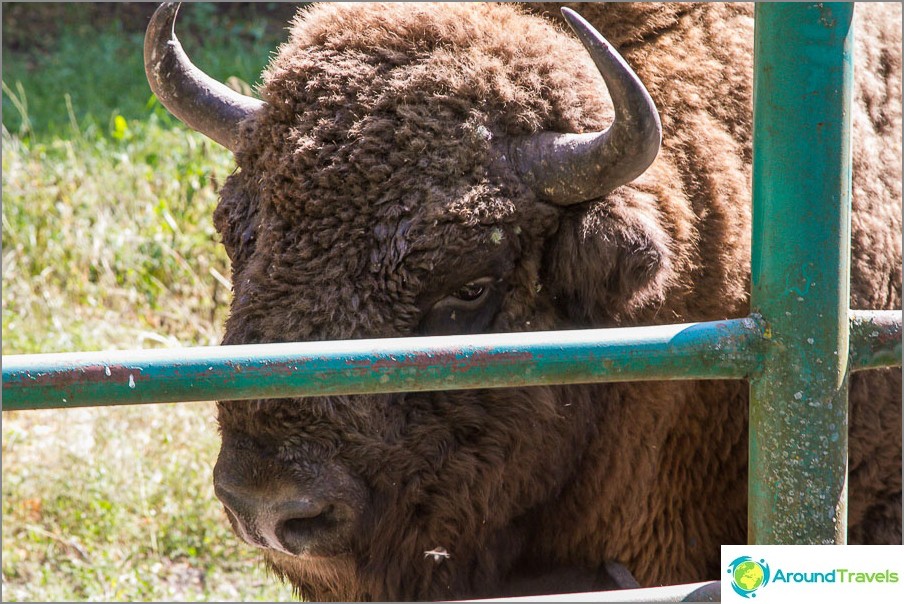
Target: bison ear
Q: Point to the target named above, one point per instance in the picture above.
(609, 260)
(236, 220)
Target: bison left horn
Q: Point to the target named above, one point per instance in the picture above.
(198, 100)
(572, 168)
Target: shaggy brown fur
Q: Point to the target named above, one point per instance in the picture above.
(372, 188)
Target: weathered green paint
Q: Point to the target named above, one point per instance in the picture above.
(721, 349)
(800, 272)
(875, 339)
(717, 350)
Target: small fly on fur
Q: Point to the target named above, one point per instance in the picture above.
(439, 554)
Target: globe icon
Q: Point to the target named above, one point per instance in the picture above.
(748, 575)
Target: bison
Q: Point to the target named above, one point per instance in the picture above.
(422, 169)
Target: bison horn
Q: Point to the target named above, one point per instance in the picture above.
(198, 100)
(572, 168)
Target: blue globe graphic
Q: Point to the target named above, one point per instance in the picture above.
(748, 575)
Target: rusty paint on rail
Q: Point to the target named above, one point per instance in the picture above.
(716, 350)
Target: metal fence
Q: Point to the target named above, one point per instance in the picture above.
(797, 348)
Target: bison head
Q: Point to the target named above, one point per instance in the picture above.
(418, 170)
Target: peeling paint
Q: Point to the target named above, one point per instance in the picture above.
(803, 143)
(720, 350)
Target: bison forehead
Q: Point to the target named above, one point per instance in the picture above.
(372, 105)
(335, 162)
(327, 278)
(349, 244)
(362, 58)
(378, 162)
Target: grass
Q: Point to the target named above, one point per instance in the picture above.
(108, 242)
(117, 505)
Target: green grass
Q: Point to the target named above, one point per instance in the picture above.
(83, 54)
(108, 242)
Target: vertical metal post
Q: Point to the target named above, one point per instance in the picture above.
(800, 272)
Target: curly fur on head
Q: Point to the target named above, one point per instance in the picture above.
(370, 187)
(374, 187)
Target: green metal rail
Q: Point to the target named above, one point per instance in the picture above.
(704, 350)
(715, 350)
(800, 271)
(797, 348)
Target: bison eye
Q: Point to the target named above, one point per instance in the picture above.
(468, 309)
(471, 291)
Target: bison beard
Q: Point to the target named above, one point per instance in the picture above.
(379, 193)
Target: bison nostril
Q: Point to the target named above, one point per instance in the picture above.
(304, 524)
(240, 515)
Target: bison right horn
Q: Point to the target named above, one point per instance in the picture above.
(572, 168)
(198, 100)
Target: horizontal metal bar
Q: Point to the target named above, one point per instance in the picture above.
(714, 350)
(691, 592)
(875, 339)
